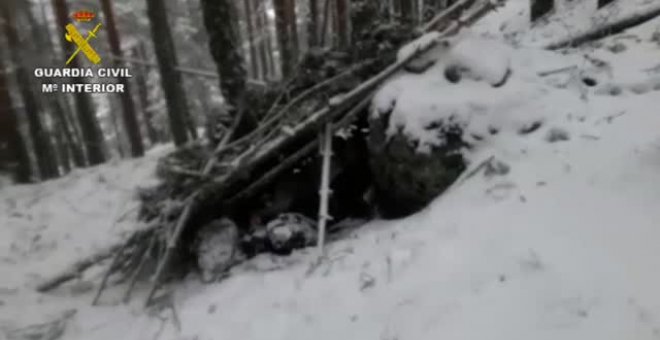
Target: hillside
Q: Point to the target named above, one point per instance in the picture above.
(562, 245)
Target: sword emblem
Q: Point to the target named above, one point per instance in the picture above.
(73, 35)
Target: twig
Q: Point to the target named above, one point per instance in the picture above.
(324, 191)
(138, 269)
(107, 274)
(559, 70)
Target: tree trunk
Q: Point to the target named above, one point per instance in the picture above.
(269, 43)
(141, 73)
(407, 8)
(262, 40)
(292, 21)
(171, 81)
(91, 131)
(13, 151)
(40, 34)
(43, 149)
(224, 41)
(313, 24)
(254, 66)
(128, 107)
(343, 24)
(325, 24)
(284, 39)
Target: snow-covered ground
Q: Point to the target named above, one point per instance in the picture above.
(563, 246)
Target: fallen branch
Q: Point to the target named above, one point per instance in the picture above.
(79, 267)
(606, 30)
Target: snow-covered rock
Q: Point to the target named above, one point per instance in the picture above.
(290, 231)
(217, 248)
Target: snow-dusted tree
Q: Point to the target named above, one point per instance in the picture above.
(220, 18)
(313, 24)
(171, 81)
(249, 20)
(128, 106)
(343, 24)
(264, 41)
(13, 153)
(286, 39)
(67, 143)
(92, 135)
(43, 148)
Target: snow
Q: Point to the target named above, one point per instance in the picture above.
(563, 246)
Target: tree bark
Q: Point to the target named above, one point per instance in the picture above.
(249, 15)
(343, 24)
(407, 8)
(40, 33)
(284, 38)
(128, 106)
(262, 40)
(13, 151)
(91, 131)
(220, 19)
(143, 95)
(269, 43)
(292, 21)
(313, 24)
(175, 97)
(43, 148)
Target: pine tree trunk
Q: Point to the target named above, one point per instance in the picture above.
(262, 40)
(128, 107)
(313, 24)
(325, 24)
(43, 149)
(171, 81)
(407, 8)
(41, 36)
(254, 66)
(74, 151)
(343, 24)
(13, 151)
(292, 21)
(284, 39)
(91, 131)
(220, 18)
(269, 44)
(143, 94)
(62, 147)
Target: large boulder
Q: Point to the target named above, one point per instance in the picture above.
(217, 248)
(406, 178)
(427, 119)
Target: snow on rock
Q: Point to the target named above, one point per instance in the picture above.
(570, 19)
(493, 95)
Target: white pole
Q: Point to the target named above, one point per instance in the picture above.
(324, 192)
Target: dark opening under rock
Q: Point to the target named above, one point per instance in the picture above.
(405, 179)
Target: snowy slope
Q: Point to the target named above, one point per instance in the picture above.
(564, 246)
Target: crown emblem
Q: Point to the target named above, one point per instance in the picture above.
(83, 16)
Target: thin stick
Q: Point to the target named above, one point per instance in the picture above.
(136, 273)
(107, 274)
(324, 191)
